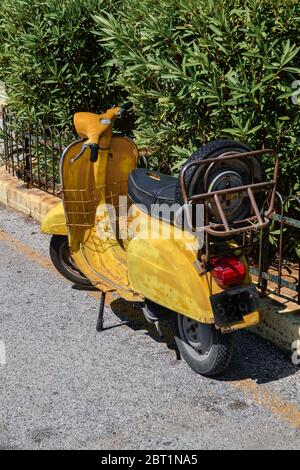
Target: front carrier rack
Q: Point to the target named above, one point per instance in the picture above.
(257, 220)
(81, 204)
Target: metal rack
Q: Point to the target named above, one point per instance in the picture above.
(256, 221)
(81, 204)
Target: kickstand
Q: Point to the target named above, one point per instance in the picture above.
(99, 326)
(159, 330)
(177, 352)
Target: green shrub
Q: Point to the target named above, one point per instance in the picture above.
(201, 69)
(196, 69)
(50, 61)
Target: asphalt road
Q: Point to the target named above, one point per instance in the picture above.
(66, 386)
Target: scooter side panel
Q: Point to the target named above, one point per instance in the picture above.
(163, 267)
(165, 270)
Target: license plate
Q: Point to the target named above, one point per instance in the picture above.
(233, 304)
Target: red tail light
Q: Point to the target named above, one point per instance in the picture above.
(228, 270)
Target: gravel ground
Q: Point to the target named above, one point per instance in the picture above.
(65, 386)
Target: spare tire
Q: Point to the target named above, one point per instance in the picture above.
(222, 175)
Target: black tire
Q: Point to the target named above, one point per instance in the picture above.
(194, 175)
(217, 348)
(62, 260)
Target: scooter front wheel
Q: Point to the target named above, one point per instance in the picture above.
(61, 258)
(205, 349)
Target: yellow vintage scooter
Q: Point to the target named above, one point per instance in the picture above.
(137, 232)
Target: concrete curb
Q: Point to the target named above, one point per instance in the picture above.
(280, 319)
(280, 322)
(31, 202)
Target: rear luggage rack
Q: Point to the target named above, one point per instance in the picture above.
(258, 220)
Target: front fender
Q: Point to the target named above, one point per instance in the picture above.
(55, 222)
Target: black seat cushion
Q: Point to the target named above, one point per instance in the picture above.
(147, 187)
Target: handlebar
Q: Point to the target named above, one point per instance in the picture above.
(94, 152)
(95, 147)
(91, 126)
(125, 107)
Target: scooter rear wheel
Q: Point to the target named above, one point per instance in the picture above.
(205, 349)
(61, 258)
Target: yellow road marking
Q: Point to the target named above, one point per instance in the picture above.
(263, 397)
(26, 250)
(285, 411)
(46, 263)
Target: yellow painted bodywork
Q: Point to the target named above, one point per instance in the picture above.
(55, 221)
(162, 269)
(165, 269)
(101, 259)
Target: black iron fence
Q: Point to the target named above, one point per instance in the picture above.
(32, 153)
(279, 268)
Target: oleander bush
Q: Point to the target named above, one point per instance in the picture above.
(50, 61)
(195, 69)
(202, 69)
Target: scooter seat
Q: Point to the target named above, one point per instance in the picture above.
(148, 189)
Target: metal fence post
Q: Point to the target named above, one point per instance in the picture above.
(265, 261)
(5, 139)
(27, 161)
(3, 143)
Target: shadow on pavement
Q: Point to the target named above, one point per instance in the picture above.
(254, 358)
(130, 313)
